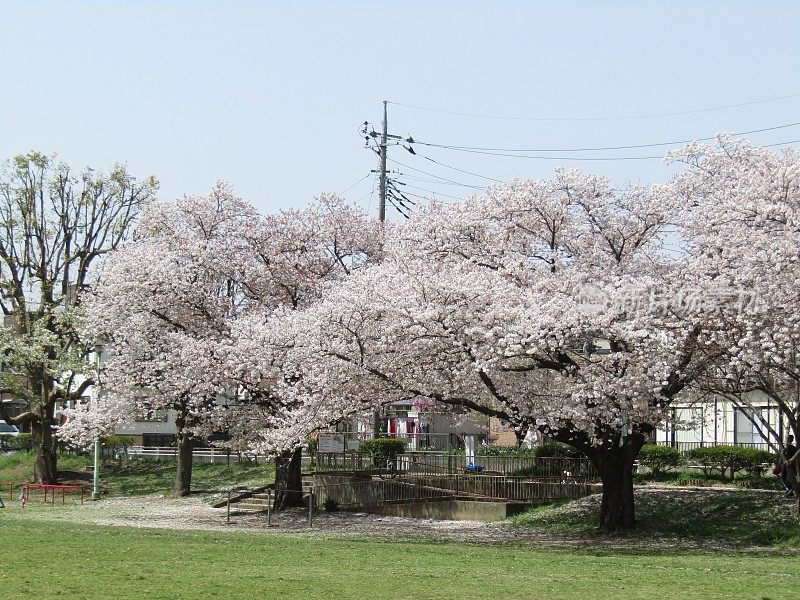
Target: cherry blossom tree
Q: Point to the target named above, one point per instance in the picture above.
(163, 310)
(57, 224)
(299, 256)
(550, 304)
(197, 316)
(745, 255)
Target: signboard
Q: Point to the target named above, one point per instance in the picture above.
(331, 442)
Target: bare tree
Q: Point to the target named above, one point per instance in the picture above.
(56, 223)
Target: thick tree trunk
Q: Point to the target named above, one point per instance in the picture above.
(288, 480)
(615, 465)
(183, 478)
(44, 449)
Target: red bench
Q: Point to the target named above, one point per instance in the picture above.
(49, 488)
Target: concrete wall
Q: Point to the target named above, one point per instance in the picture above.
(472, 497)
(451, 510)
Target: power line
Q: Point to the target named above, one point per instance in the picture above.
(780, 144)
(571, 158)
(437, 182)
(459, 170)
(599, 148)
(609, 118)
(369, 193)
(433, 174)
(413, 195)
(550, 158)
(398, 198)
(540, 157)
(416, 187)
(355, 184)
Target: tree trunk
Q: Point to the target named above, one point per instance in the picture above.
(44, 449)
(615, 465)
(288, 480)
(183, 478)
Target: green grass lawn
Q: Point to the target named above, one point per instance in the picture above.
(135, 477)
(66, 560)
(766, 481)
(18, 466)
(729, 517)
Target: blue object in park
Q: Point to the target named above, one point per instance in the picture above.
(473, 468)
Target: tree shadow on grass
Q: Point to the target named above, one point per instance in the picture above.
(707, 517)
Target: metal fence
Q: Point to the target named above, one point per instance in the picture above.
(355, 493)
(352, 492)
(207, 455)
(439, 463)
(505, 488)
(684, 446)
(351, 440)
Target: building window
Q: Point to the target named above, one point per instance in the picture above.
(751, 432)
(158, 440)
(153, 416)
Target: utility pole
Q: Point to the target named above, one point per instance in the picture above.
(377, 417)
(384, 136)
(393, 195)
(379, 143)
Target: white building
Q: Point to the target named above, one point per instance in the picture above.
(718, 421)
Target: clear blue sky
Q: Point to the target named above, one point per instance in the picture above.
(269, 95)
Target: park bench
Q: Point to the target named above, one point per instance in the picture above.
(51, 489)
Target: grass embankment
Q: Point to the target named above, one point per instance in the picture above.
(697, 478)
(730, 517)
(138, 477)
(114, 562)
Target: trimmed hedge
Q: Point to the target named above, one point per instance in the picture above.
(22, 441)
(730, 459)
(484, 450)
(117, 442)
(660, 459)
(383, 446)
(554, 450)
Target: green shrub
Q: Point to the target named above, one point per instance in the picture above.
(757, 482)
(504, 451)
(730, 459)
(383, 447)
(116, 446)
(554, 451)
(688, 478)
(7, 442)
(755, 462)
(532, 471)
(117, 442)
(22, 441)
(312, 444)
(659, 459)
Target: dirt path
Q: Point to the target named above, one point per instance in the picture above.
(195, 514)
